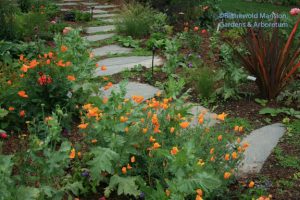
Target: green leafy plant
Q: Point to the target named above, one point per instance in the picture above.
(269, 60)
(128, 41)
(230, 74)
(276, 111)
(262, 102)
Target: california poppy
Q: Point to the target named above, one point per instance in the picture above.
(23, 94)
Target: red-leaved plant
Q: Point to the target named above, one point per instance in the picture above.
(270, 60)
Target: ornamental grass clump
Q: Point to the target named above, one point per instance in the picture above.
(270, 59)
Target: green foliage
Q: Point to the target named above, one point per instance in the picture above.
(103, 161)
(139, 21)
(128, 41)
(202, 80)
(173, 58)
(262, 102)
(25, 5)
(291, 94)
(174, 87)
(286, 161)
(276, 111)
(231, 75)
(123, 185)
(82, 16)
(7, 20)
(191, 40)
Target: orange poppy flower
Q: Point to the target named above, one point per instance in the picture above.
(83, 126)
(132, 159)
(24, 68)
(199, 192)
(227, 157)
(234, 155)
(60, 63)
(68, 63)
(196, 28)
(198, 197)
(9, 82)
(221, 116)
(227, 175)
(128, 166)
(126, 129)
(71, 78)
(168, 193)
(123, 119)
(212, 158)
(174, 151)
(63, 48)
(184, 124)
(22, 75)
(103, 68)
(124, 170)
(33, 64)
(11, 108)
(212, 150)
(220, 137)
(156, 145)
(152, 139)
(21, 57)
(94, 141)
(23, 94)
(48, 61)
(172, 129)
(50, 54)
(22, 113)
(251, 184)
(137, 99)
(145, 130)
(104, 100)
(72, 154)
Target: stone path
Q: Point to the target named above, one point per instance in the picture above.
(97, 29)
(209, 118)
(104, 16)
(119, 64)
(95, 38)
(262, 141)
(134, 88)
(110, 49)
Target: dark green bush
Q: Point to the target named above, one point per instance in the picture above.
(7, 20)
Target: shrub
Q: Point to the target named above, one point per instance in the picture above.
(139, 21)
(53, 78)
(271, 61)
(150, 149)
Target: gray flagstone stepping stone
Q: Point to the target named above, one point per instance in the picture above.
(100, 29)
(72, 0)
(104, 16)
(119, 64)
(108, 20)
(94, 38)
(65, 9)
(110, 49)
(100, 12)
(89, 3)
(106, 6)
(133, 89)
(262, 141)
(209, 118)
(67, 4)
